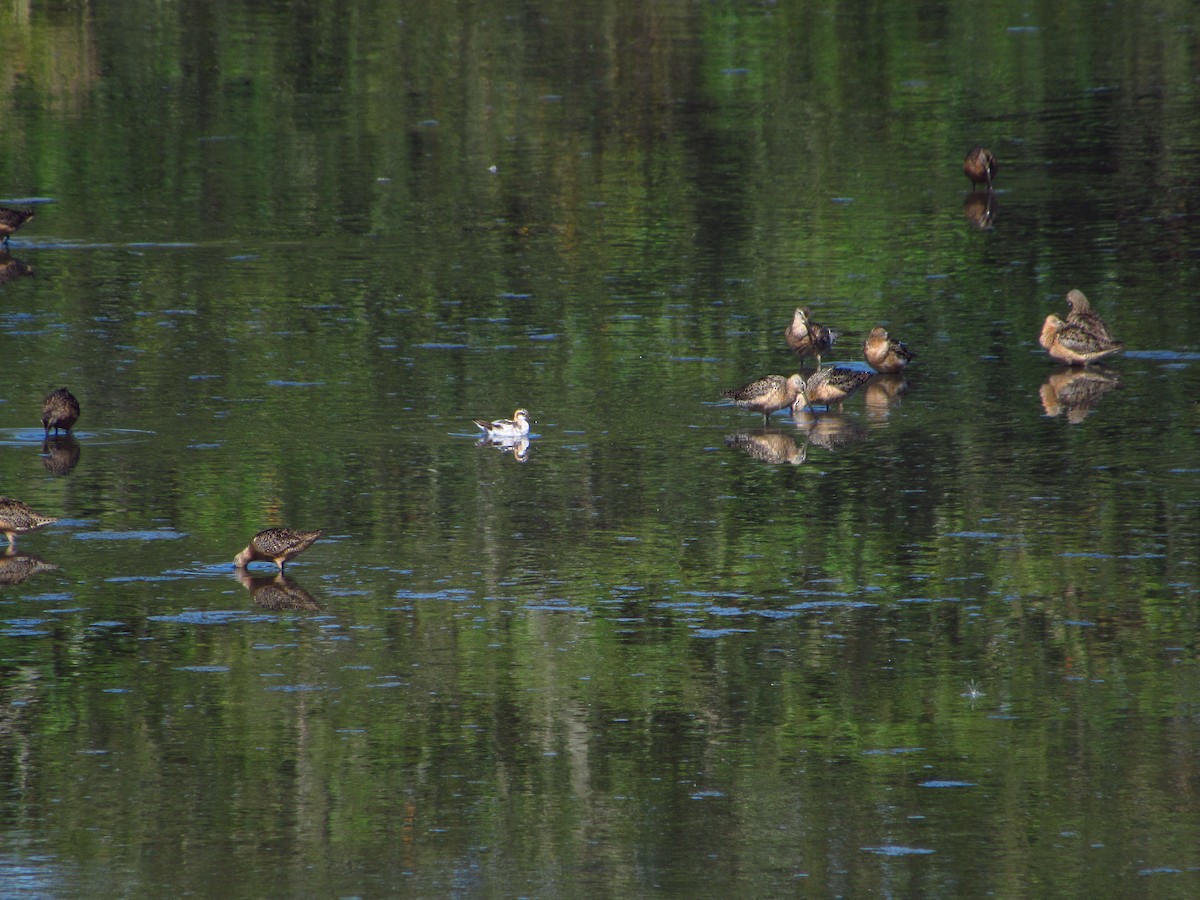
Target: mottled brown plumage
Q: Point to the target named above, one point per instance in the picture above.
(980, 166)
(883, 354)
(1074, 345)
(277, 545)
(1083, 316)
(18, 518)
(11, 220)
(808, 338)
(60, 410)
(768, 394)
(829, 386)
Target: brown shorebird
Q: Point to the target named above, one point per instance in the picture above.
(808, 338)
(1074, 345)
(980, 166)
(768, 394)
(60, 409)
(11, 220)
(884, 354)
(17, 518)
(1083, 315)
(829, 386)
(278, 545)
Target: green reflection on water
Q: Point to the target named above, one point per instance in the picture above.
(290, 256)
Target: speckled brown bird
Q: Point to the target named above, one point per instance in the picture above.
(1085, 317)
(768, 394)
(808, 338)
(11, 220)
(17, 518)
(277, 545)
(980, 166)
(1074, 345)
(883, 354)
(829, 386)
(60, 410)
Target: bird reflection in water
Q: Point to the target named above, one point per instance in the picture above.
(277, 592)
(882, 393)
(980, 209)
(60, 454)
(830, 431)
(11, 268)
(1076, 391)
(769, 446)
(16, 568)
(519, 447)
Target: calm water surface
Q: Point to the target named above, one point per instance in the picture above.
(940, 644)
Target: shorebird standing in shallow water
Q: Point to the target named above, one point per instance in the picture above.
(505, 429)
(829, 386)
(11, 220)
(808, 338)
(17, 518)
(277, 545)
(883, 354)
(768, 394)
(1085, 317)
(1074, 345)
(980, 166)
(60, 409)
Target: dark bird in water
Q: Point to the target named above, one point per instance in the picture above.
(768, 394)
(17, 518)
(829, 386)
(278, 545)
(12, 269)
(1074, 345)
(808, 338)
(60, 410)
(505, 429)
(11, 220)
(1083, 316)
(980, 166)
(883, 354)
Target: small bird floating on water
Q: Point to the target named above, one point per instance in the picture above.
(506, 429)
(60, 410)
(11, 220)
(829, 386)
(768, 394)
(1074, 345)
(808, 338)
(277, 545)
(17, 518)
(883, 354)
(1083, 315)
(980, 166)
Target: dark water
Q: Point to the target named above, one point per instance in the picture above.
(941, 644)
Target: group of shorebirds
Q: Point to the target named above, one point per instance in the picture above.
(60, 412)
(1081, 339)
